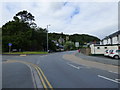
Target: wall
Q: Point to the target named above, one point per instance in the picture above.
(101, 49)
(118, 39)
(85, 51)
(101, 43)
(104, 41)
(109, 41)
(115, 40)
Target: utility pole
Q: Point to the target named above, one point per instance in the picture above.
(47, 37)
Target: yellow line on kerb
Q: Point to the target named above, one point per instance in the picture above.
(39, 71)
(45, 78)
(44, 85)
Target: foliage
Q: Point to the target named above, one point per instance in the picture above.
(26, 53)
(21, 33)
(24, 34)
(83, 38)
(69, 45)
(52, 45)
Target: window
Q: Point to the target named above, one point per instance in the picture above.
(105, 47)
(98, 47)
(117, 50)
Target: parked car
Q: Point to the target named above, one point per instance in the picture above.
(14, 50)
(106, 53)
(114, 54)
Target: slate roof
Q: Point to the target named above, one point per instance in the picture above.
(112, 35)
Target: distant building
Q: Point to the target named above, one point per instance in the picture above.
(61, 40)
(67, 38)
(59, 46)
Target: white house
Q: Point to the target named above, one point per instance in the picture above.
(111, 39)
(109, 42)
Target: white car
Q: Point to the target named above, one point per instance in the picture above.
(115, 54)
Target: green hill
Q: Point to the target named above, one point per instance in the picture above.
(82, 38)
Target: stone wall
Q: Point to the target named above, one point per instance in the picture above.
(86, 51)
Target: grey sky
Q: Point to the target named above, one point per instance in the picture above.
(95, 18)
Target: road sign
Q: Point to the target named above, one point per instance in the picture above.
(9, 44)
(76, 44)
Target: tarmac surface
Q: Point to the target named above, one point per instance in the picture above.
(62, 70)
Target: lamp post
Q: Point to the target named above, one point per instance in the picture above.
(47, 37)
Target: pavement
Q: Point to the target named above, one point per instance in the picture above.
(101, 59)
(65, 70)
(92, 63)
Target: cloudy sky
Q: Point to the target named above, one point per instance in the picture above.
(95, 18)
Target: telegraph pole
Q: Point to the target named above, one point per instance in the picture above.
(47, 37)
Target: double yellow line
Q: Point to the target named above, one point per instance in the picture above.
(46, 84)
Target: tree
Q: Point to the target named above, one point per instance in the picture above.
(69, 45)
(18, 31)
(25, 16)
(52, 45)
(83, 38)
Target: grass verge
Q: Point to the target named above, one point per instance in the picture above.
(25, 53)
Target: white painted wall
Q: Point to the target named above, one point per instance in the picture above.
(92, 48)
(101, 50)
(104, 41)
(118, 39)
(109, 41)
(101, 43)
(115, 40)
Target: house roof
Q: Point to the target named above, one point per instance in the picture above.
(109, 45)
(112, 35)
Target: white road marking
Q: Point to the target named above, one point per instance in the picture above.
(78, 67)
(113, 72)
(23, 55)
(43, 55)
(73, 66)
(108, 79)
(117, 79)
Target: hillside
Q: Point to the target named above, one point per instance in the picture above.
(82, 38)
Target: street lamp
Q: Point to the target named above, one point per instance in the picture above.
(47, 36)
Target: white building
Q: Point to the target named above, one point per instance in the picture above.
(110, 42)
(100, 49)
(111, 39)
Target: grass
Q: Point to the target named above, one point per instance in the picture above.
(26, 52)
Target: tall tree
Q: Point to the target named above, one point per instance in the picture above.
(25, 16)
(18, 31)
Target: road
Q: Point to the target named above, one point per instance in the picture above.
(13, 78)
(60, 72)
